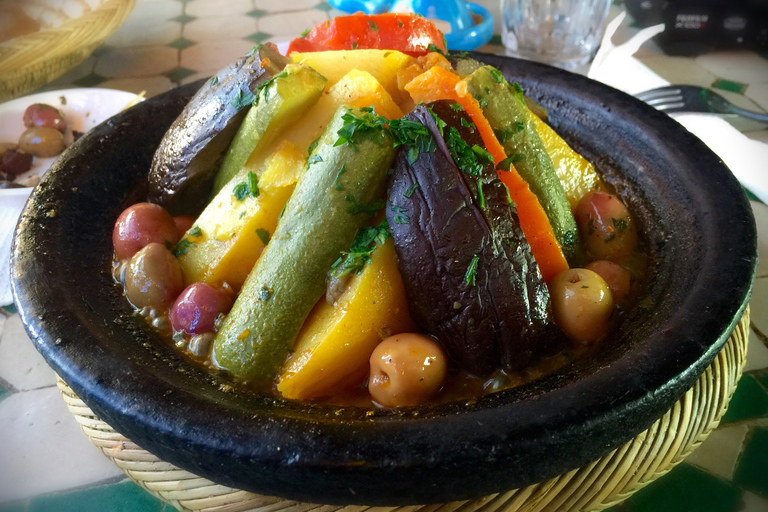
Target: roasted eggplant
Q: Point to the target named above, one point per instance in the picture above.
(468, 271)
(187, 159)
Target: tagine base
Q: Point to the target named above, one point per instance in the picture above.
(596, 486)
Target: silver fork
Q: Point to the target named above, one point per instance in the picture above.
(690, 98)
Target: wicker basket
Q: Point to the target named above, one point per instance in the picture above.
(70, 31)
(596, 486)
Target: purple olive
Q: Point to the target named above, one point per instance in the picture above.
(197, 307)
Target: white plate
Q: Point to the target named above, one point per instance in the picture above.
(83, 109)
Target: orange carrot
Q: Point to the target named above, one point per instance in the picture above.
(440, 84)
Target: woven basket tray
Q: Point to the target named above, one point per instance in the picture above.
(70, 31)
(596, 486)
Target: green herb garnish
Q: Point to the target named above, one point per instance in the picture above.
(263, 235)
(432, 47)
(401, 214)
(410, 190)
(496, 74)
(182, 247)
(471, 273)
(504, 164)
(463, 155)
(457, 107)
(480, 195)
(241, 100)
(482, 154)
(336, 184)
(366, 240)
(373, 26)
(264, 293)
(247, 188)
(313, 160)
(354, 45)
(619, 224)
(306, 32)
(196, 231)
(214, 80)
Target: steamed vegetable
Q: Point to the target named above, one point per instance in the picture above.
(277, 105)
(468, 271)
(344, 183)
(407, 33)
(337, 340)
(382, 64)
(436, 84)
(513, 124)
(190, 153)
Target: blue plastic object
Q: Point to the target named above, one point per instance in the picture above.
(464, 34)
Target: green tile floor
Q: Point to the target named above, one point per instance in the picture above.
(47, 464)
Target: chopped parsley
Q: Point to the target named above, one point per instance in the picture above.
(480, 195)
(506, 134)
(504, 164)
(313, 160)
(483, 100)
(306, 32)
(373, 26)
(350, 198)
(366, 240)
(463, 155)
(496, 74)
(182, 247)
(253, 50)
(336, 184)
(405, 132)
(482, 154)
(518, 89)
(264, 293)
(432, 47)
(265, 87)
(354, 45)
(457, 107)
(438, 121)
(241, 100)
(248, 188)
(356, 129)
(399, 23)
(196, 232)
(401, 214)
(471, 273)
(263, 235)
(619, 224)
(214, 80)
(467, 124)
(410, 190)
(365, 207)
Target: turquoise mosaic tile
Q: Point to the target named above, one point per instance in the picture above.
(685, 489)
(122, 497)
(183, 19)
(256, 13)
(3, 392)
(259, 37)
(91, 80)
(10, 309)
(178, 74)
(749, 401)
(752, 471)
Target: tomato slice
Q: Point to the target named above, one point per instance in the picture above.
(407, 33)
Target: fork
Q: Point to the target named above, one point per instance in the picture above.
(690, 98)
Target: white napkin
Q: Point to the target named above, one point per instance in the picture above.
(615, 66)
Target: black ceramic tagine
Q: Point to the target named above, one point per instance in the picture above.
(696, 225)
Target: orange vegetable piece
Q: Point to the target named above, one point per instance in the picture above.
(440, 84)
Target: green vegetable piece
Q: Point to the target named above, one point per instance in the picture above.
(277, 104)
(509, 116)
(312, 234)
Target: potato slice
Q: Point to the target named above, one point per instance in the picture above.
(336, 341)
(382, 64)
(228, 237)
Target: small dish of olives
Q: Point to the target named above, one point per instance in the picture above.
(35, 129)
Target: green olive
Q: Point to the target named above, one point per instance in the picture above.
(582, 304)
(41, 142)
(154, 277)
(406, 369)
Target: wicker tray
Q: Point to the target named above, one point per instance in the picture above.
(70, 31)
(596, 486)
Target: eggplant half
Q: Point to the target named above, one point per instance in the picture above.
(469, 275)
(189, 155)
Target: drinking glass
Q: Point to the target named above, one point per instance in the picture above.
(564, 33)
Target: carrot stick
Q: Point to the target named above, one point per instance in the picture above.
(440, 84)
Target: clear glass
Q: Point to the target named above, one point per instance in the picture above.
(564, 33)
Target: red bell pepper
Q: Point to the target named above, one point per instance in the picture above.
(407, 33)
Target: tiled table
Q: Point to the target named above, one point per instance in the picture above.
(47, 464)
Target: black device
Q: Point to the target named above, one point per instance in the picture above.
(693, 27)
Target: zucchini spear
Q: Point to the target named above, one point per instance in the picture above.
(345, 182)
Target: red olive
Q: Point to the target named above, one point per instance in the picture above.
(14, 162)
(615, 276)
(606, 226)
(142, 224)
(196, 309)
(183, 223)
(45, 116)
(153, 278)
